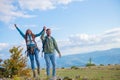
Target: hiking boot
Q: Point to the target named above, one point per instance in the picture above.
(54, 78)
(38, 70)
(34, 75)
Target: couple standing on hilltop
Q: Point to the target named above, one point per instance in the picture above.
(49, 46)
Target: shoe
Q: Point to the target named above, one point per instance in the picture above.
(54, 78)
(34, 75)
(38, 70)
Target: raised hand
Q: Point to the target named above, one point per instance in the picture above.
(44, 27)
(15, 25)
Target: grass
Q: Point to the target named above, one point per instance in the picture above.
(111, 72)
(91, 73)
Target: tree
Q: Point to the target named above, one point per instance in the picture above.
(17, 64)
(101, 64)
(1, 70)
(0, 60)
(90, 62)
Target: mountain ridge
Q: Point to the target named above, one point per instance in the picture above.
(111, 56)
(105, 57)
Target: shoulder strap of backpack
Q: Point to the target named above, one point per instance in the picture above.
(45, 42)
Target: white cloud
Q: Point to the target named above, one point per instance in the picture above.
(64, 1)
(54, 28)
(9, 12)
(80, 43)
(12, 27)
(107, 37)
(11, 9)
(36, 4)
(4, 50)
(111, 31)
(43, 4)
(3, 46)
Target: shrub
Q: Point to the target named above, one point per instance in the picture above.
(16, 77)
(116, 64)
(101, 64)
(90, 63)
(62, 68)
(87, 65)
(74, 67)
(2, 70)
(17, 63)
(67, 78)
(109, 64)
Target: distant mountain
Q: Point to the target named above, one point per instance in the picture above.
(105, 57)
(111, 56)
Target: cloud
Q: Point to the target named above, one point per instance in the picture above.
(64, 1)
(36, 4)
(11, 9)
(79, 43)
(107, 37)
(54, 28)
(8, 11)
(3, 46)
(43, 4)
(12, 27)
(4, 50)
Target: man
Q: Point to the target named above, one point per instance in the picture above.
(49, 47)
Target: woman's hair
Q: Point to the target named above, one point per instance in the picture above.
(33, 36)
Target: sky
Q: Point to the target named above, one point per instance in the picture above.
(79, 26)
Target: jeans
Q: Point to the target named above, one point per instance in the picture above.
(50, 57)
(31, 56)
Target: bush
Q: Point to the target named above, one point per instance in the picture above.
(87, 65)
(62, 68)
(90, 63)
(17, 64)
(109, 64)
(16, 77)
(101, 64)
(116, 64)
(74, 67)
(67, 78)
(2, 70)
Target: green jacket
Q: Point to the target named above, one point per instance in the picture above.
(49, 44)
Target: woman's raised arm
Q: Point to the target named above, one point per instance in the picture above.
(44, 28)
(21, 33)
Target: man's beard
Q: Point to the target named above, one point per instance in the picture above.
(48, 34)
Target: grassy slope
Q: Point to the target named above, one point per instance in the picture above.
(92, 73)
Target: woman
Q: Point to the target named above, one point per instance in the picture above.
(32, 48)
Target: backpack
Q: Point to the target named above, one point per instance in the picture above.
(45, 42)
(31, 49)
